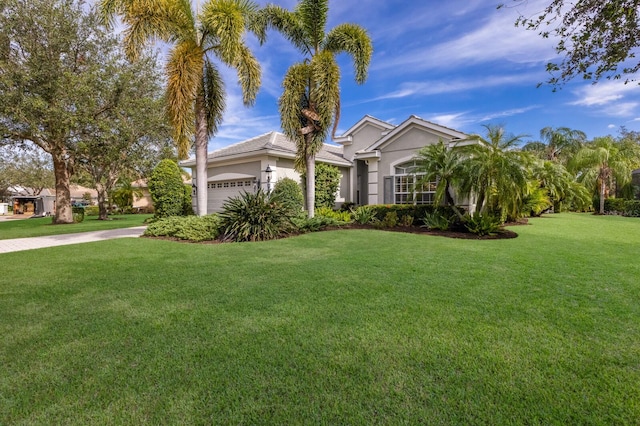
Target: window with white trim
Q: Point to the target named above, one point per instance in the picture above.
(407, 190)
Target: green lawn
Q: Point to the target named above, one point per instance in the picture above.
(341, 327)
(38, 227)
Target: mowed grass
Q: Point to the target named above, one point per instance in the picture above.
(42, 226)
(341, 327)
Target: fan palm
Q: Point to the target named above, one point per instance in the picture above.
(310, 102)
(195, 90)
(605, 162)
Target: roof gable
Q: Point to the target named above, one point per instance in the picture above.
(415, 121)
(366, 120)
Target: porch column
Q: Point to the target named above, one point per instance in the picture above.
(373, 187)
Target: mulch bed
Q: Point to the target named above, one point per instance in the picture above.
(503, 234)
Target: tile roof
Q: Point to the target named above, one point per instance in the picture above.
(275, 141)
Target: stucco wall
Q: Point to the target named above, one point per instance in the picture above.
(364, 137)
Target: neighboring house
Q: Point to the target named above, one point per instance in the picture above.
(375, 159)
(26, 201)
(142, 201)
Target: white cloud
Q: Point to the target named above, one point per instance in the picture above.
(603, 93)
(494, 38)
(508, 113)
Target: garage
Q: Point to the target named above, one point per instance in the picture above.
(227, 185)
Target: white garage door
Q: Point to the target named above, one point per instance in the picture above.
(220, 192)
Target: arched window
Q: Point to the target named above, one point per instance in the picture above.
(406, 189)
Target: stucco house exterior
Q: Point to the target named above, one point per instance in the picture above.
(375, 159)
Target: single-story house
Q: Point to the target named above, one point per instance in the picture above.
(375, 159)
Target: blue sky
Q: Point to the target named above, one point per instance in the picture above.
(461, 64)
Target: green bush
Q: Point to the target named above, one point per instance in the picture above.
(255, 217)
(632, 208)
(390, 220)
(363, 215)
(314, 224)
(78, 214)
(199, 228)
(187, 205)
(91, 211)
(417, 211)
(290, 194)
(167, 189)
(327, 183)
(191, 228)
(437, 220)
(339, 216)
(482, 224)
(614, 205)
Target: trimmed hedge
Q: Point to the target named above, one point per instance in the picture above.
(190, 228)
(632, 208)
(622, 207)
(614, 205)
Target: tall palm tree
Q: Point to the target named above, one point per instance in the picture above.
(604, 163)
(559, 144)
(310, 102)
(443, 165)
(497, 172)
(195, 89)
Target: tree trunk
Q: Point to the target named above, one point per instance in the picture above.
(448, 199)
(62, 174)
(201, 157)
(102, 201)
(603, 189)
(311, 184)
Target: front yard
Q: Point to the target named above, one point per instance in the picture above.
(338, 327)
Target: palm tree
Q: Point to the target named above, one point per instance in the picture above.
(497, 172)
(444, 165)
(561, 143)
(195, 90)
(604, 163)
(310, 102)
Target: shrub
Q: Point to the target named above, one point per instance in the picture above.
(327, 183)
(167, 189)
(314, 224)
(199, 228)
(406, 220)
(339, 216)
(437, 220)
(347, 206)
(91, 211)
(614, 205)
(482, 224)
(191, 228)
(78, 214)
(363, 215)
(187, 205)
(632, 208)
(255, 217)
(290, 193)
(390, 220)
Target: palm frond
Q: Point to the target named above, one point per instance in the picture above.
(184, 71)
(353, 40)
(249, 74)
(325, 89)
(294, 98)
(214, 97)
(313, 15)
(285, 22)
(223, 23)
